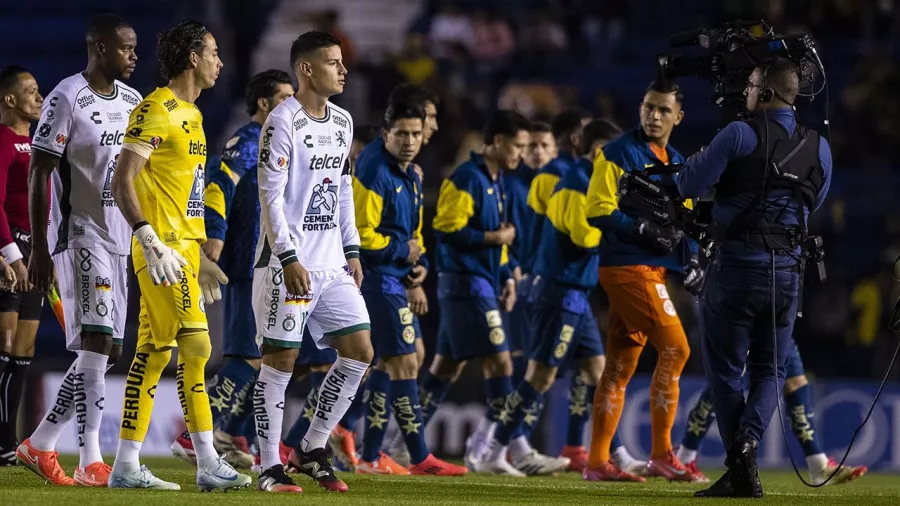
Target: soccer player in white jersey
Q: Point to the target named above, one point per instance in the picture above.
(307, 269)
(81, 130)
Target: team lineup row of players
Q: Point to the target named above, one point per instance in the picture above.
(339, 252)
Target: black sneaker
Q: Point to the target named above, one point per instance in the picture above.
(721, 488)
(317, 465)
(273, 479)
(744, 471)
(8, 456)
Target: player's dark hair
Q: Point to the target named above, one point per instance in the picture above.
(103, 28)
(365, 134)
(311, 41)
(9, 77)
(176, 45)
(506, 123)
(567, 122)
(402, 110)
(415, 93)
(263, 85)
(783, 77)
(599, 129)
(541, 127)
(666, 86)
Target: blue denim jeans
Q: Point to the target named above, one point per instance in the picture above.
(736, 322)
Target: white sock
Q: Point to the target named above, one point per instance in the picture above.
(624, 458)
(268, 411)
(519, 448)
(128, 455)
(58, 415)
(495, 451)
(817, 462)
(91, 367)
(686, 456)
(335, 396)
(203, 447)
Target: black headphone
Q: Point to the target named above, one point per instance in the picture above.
(766, 93)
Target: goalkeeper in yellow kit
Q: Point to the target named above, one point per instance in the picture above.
(158, 185)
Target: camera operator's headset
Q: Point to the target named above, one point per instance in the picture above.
(767, 94)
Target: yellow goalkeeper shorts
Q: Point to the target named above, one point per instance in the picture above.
(167, 310)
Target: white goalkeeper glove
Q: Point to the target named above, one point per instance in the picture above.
(163, 263)
(210, 278)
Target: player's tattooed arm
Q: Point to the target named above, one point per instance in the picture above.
(40, 266)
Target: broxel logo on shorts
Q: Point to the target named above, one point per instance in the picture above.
(85, 292)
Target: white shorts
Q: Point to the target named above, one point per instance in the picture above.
(93, 286)
(335, 308)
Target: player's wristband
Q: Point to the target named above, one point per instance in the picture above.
(351, 252)
(287, 258)
(138, 225)
(11, 253)
(146, 236)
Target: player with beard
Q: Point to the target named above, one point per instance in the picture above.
(78, 142)
(159, 189)
(20, 309)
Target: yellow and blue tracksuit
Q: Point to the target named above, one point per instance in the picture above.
(470, 273)
(388, 204)
(539, 193)
(232, 215)
(563, 325)
(518, 184)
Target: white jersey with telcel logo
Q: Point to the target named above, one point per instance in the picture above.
(305, 188)
(86, 129)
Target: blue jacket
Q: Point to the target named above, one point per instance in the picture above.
(518, 184)
(538, 196)
(629, 152)
(470, 203)
(569, 249)
(703, 170)
(232, 201)
(388, 205)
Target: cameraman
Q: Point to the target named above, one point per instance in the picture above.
(769, 173)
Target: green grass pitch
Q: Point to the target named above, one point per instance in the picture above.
(18, 486)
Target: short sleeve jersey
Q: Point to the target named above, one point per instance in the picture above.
(170, 187)
(86, 130)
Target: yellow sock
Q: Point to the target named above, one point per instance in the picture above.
(140, 388)
(193, 352)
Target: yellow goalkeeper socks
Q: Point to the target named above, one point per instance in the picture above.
(193, 352)
(140, 388)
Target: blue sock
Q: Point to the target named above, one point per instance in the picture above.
(408, 412)
(356, 411)
(236, 421)
(432, 395)
(496, 390)
(532, 417)
(699, 419)
(378, 395)
(581, 398)
(301, 425)
(226, 386)
(519, 403)
(803, 420)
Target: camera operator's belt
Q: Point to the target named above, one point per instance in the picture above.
(774, 237)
